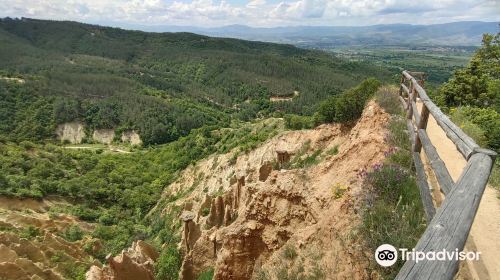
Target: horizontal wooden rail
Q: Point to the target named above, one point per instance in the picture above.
(449, 225)
(443, 176)
(464, 143)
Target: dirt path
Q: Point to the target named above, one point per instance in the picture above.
(112, 149)
(485, 233)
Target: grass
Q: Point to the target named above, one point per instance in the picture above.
(301, 159)
(207, 274)
(294, 266)
(389, 101)
(459, 117)
(333, 151)
(393, 213)
(495, 176)
(289, 252)
(30, 232)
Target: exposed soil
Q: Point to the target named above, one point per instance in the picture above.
(44, 254)
(259, 216)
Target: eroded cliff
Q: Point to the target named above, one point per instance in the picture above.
(286, 209)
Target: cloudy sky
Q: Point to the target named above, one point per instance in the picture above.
(262, 13)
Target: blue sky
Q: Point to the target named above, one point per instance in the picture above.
(262, 13)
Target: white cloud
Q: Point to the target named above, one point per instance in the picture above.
(254, 12)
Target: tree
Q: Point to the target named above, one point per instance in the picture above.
(479, 83)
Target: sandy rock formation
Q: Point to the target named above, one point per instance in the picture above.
(33, 258)
(257, 211)
(132, 137)
(72, 132)
(137, 262)
(104, 136)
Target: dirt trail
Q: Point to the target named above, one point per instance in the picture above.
(110, 148)
(485, 233)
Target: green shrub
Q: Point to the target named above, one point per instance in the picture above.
(326, 111)
(333, 151)
(30, 232)
(207, 274)
(487, 119)
(387, 98)
(495, 176)
(73, 233)
(205, 211)
(477, 84)
(27, 145)
(168, 264)
(297, 122)
(348, 106)
(289, 252)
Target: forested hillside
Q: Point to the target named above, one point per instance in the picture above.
(160, 84)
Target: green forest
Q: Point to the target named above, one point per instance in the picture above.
(161, 84)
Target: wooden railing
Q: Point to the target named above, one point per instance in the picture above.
(449, 225)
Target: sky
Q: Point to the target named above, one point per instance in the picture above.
(257, 13)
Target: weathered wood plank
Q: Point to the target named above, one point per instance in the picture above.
(409, 113)
(450, 226)
(425, 193)
(407, 75)
(421, 124)
(416, 115)
(465, 145)
(424, 117)
(488, 152)
(443, 176)
(405, 89)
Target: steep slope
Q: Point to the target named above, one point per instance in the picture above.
(287, 207)
(31, 242)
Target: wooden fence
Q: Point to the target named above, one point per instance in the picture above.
(449, 225)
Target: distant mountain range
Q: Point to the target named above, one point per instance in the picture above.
(465, 33)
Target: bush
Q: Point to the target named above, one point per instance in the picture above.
(168, 264)
(207, 275)
(477, 84)
(387, 98)
(475, 119)
(289, 252)
(205, 211)
(30, 232)
(326, 111)
(27, 145)
(73, 233)
(333, 151)
(348, 106)
(297, 122)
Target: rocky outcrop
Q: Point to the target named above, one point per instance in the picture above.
(104, 136)
(132, 137)
(137, 262)
(264, 171)
(258, 205)
(33, 257)
(72, 132)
